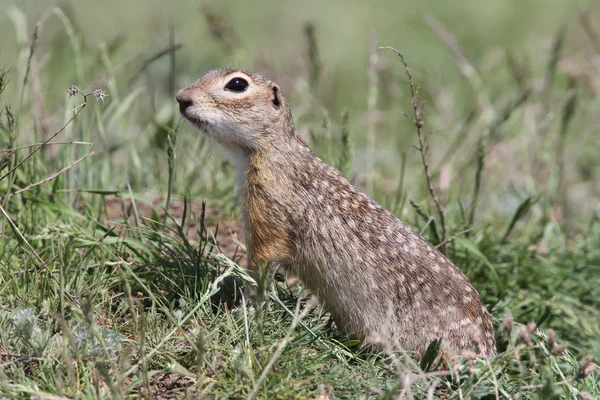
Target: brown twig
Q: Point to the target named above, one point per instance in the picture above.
(418, 121)
(39, 144)
(298, 316)
(54, 175)
(45, 142)
(453, 238)
(35, 254)
(72, 91)
(18, 232)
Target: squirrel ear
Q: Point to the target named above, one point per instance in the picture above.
(276, 97)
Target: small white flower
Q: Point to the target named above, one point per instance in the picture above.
(100, 94)
(72, 90)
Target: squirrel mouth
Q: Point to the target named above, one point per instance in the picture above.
(199, 123)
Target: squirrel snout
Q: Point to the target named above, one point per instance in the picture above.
(185, 100)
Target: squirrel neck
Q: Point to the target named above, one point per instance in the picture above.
(275, 155)
(265, 197)
(278, 158)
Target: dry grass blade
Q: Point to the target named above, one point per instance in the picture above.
(220, 29)
(45, 142)
(282, 344)
(32, 250)
(171, 155)
(28, 146)
(3, 80)
(453, 238)
(418, 121)
(171, 49)
(32, 45)
(467, 69)
(51, 177)
(18, 232)
(521, 211)
(482, 148)
(551, 68)
(314, 62)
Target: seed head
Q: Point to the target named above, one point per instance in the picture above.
(525, 332)
(555, 348)
(100, 94)
(586, 366)
(585, 396)
(551, 339)
(72, 90)
(507, 324)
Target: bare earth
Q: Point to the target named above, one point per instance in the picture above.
(229, 235)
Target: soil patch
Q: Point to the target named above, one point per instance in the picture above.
(227, 231)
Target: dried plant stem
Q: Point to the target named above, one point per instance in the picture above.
(560, 197)
(418, 121)
(32, 45)
(45, 142)
(429, 221)
(171, 155)
(493, 375)
(453, 238)
(18, 232)
(134, 61)
(482, 148)
(172, 45)
(32, 250)
(282, 344)
(54, 175)
(220, 29)
(481, 153)
(72, 91)
(314, 63)
(403, 370)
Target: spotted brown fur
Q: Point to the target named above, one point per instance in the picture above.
(381, 281)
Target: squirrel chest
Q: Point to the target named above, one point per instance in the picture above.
(266, 225)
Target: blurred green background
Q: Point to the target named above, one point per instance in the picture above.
(509, 44)
(273, 30)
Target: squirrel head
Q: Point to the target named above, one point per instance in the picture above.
(240, 110)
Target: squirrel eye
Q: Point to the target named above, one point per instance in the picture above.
(237, 85)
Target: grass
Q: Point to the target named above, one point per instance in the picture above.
(105, 297)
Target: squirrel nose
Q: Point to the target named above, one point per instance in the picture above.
(185, 100)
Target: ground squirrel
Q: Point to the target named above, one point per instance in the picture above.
(380, 280)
